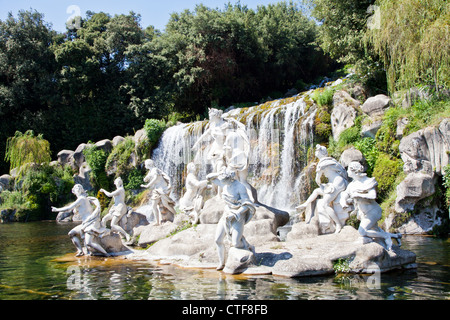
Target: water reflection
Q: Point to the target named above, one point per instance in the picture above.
(37, 262)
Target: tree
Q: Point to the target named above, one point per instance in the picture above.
(414, 42)
(27, 72)
(26, 148)
(342, 29)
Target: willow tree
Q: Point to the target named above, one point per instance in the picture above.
(26, 148)
(413, 42)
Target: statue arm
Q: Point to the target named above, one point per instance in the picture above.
(112, 194)
(70, 207)
(213, 178)
(151, 179)
(108, 194)
(370, 195)
(200, 140)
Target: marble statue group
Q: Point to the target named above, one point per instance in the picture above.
(341, 193)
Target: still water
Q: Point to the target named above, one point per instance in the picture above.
(37, 263)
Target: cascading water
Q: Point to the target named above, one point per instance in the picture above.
(280, 134)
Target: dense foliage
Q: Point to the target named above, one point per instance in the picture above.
(110, 75)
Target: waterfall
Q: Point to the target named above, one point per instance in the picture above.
(280, 133)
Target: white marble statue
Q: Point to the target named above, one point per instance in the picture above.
(84, 208)
(119, 209)
(239, 211)
(93, 228)
(230, 147)
(192, 201)
(328, 207)
(160, 184)
(362, 194)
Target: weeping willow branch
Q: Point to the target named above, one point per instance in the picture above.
(413, 41)
(26, 148)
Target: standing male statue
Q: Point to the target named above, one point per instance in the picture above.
(159, 183)
(239, 211)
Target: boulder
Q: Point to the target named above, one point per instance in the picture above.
(117, 140)
(238, 261)
(312, 256)
(78, 155)
(344, 113)
(351, 155)
(188, 243)
(401, 126)
(84, 177)
(6, 181)
(371, 127)
(105, 145)
(376, 106)
(140, 136)
(7, 215)
(113, 244)
(65, 157)
(150, 234)
(425, 154)
(415, 187)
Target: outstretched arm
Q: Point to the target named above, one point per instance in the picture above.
(204, 135)
(110, 194)
(70, 207)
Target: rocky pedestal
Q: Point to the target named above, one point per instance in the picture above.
(305, 253)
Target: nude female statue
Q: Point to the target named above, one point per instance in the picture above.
(83, 206)
(93, 228)
(192, 201)
(330, 192)
(119, 209)
(160, 184)
(239, 211)
(230, 147)
(362, 193)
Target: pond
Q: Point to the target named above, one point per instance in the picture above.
(37, 263)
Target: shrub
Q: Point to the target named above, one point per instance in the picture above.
(119, 157)
(368, 148)
(446, 178)
(154, 128)
(41, 187)
(323, 97)
(386, 171)
(135, 179)
(26, 148)
(96, 159)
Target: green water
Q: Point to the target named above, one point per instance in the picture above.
(37, 261)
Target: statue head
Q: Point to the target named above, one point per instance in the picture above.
(78, 190)
(215, 113)
(321, 151)
(118, 182)
(355, 169)
(191, 168)
(149, 164)
(227, 176)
